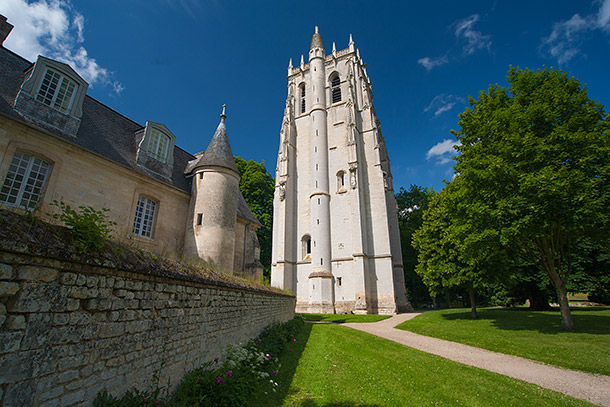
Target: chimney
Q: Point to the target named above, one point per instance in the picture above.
(5, 29)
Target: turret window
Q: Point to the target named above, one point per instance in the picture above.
(341, 181)
(302, 89)
(57, 91)
(335, 84)
(144, 220)
(306, 246)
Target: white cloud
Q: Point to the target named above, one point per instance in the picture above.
(52, 28)
(442, 151)
(564, 41)
(475, 40)
(430, 63)
(443, 103)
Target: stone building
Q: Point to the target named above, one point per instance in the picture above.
(58, 143)
(336, 242)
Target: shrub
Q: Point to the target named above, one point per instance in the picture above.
(89, 228)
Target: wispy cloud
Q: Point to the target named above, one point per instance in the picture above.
(442, 151)
(475, 40)
(443, 103)
(564, 41)
(54, 29)
(470, 39)
(430, 63)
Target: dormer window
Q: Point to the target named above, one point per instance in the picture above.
(52, 95)
(57, 91)
(156, 148)
(158, 145)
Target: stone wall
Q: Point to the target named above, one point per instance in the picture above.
(69, 330)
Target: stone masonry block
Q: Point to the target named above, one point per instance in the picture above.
(6, 272)
(68, 278)
(15, 323)
(8, 288)
(34, 273)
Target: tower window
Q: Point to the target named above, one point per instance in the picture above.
(306, 245)
(335, 84)
(145, 217)
(25, 180)
(340, 180)
(302, 88)
(339, 281)
(199, 219)
(57, 91)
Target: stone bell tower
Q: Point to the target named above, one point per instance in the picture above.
(336, 243)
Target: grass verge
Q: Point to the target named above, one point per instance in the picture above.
(534, 335)
(338, 366)
(342, 318)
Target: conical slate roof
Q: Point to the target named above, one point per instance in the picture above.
(218, 153)
(316, 40)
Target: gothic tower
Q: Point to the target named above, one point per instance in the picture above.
(336, 243)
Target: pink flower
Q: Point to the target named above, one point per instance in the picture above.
(229, 373)
(259, 341)
(290, 350)
(216, 360)
(281, 337)
(218, 379)
(268, 356)
(275, 372)
(294, 340)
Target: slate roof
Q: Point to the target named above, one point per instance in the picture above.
(218, 153)
(102, 131)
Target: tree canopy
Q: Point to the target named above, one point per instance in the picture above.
(534, 172)
(257, 186)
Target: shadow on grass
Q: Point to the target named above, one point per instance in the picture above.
(547, 322)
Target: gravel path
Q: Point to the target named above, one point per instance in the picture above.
(587, 386)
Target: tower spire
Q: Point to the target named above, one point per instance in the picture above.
(223, 116)
(316, 40)
(351, 45)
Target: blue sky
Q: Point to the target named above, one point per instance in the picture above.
(177, 61)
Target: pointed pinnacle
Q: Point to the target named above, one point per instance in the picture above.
(290, 64)
(223, 116)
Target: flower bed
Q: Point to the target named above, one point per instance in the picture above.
(231, 381)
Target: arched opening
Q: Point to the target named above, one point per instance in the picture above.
(335, 86)
(306, 243)
(302, 97)
(341, 180)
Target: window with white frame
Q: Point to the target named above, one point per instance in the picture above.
(144, 220)
(158, 145)
(25, 181)
(57, 91)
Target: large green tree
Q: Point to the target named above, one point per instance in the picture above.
(411, 205)
(257, 186)
(453, 249)
(534, 164)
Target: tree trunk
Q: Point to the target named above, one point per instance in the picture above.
(473, 303)
(448, 298)
(566, 316)
(538, 299)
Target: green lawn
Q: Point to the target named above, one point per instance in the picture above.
(337, 366)
(341, 318)
(532, 334)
